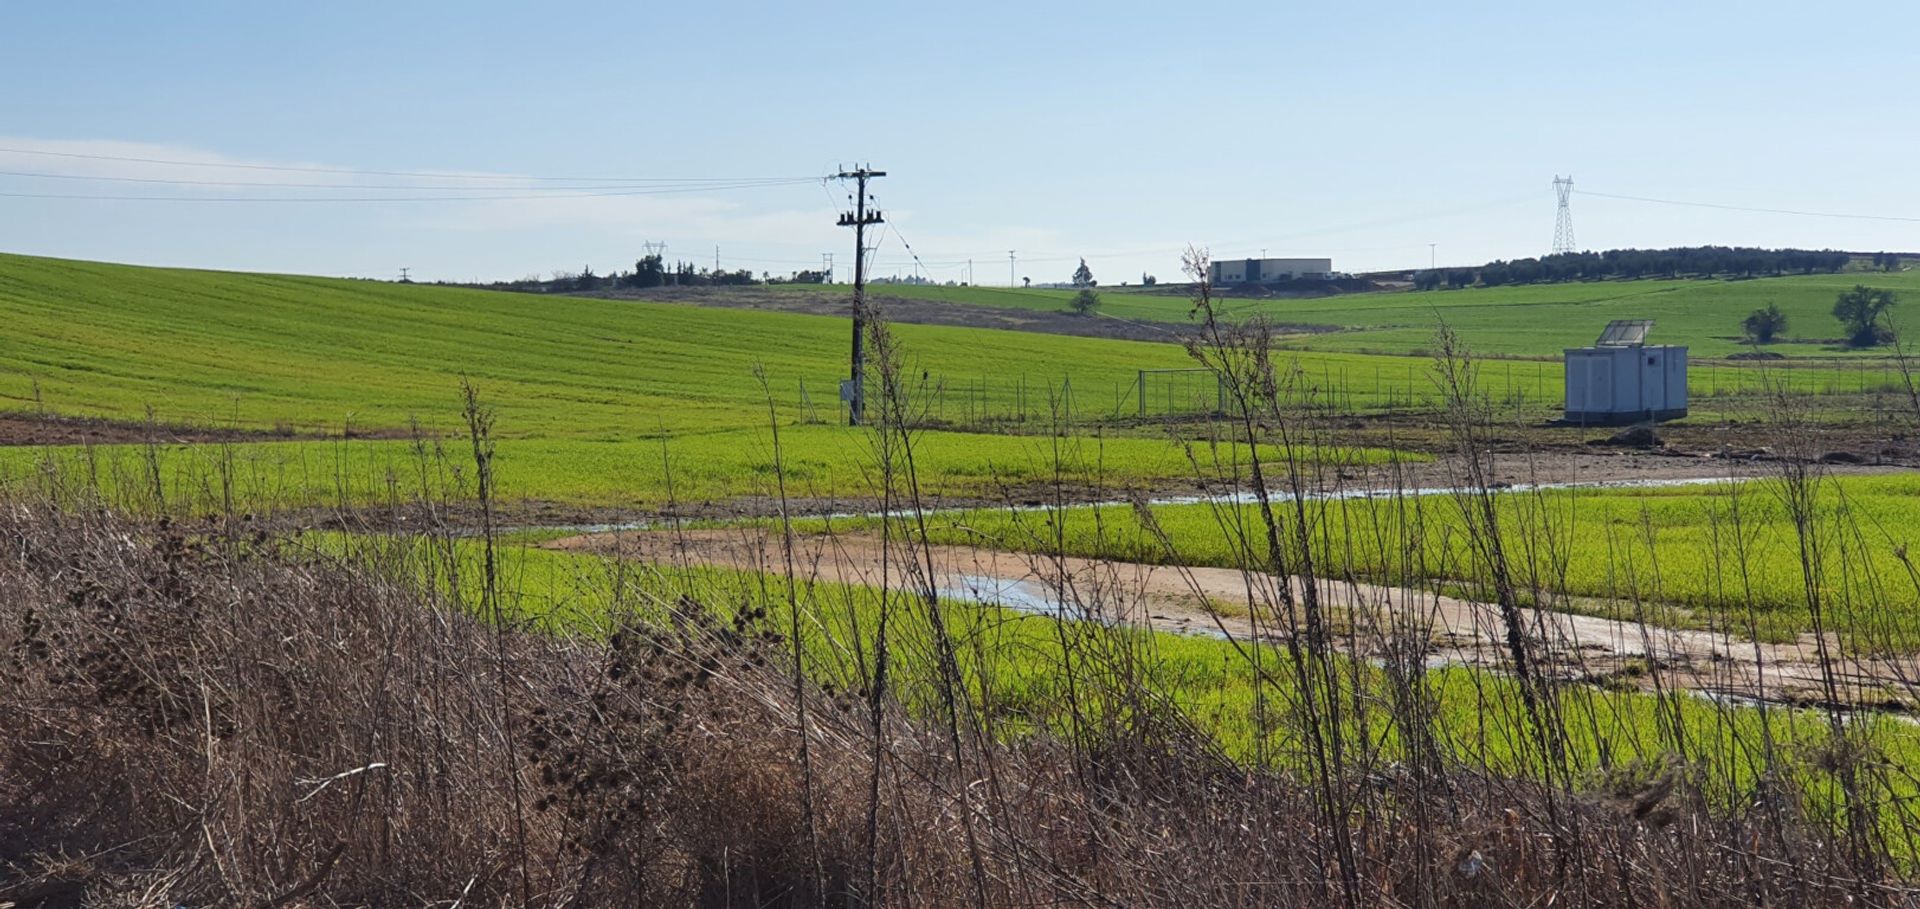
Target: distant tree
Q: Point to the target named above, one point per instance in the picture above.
(1762, 325)
(649, 271)
(1426, 280)
(1083, 276)
(587, 280)
(1862, 311)
(1026, 282)
(1086, 301)
(1148, 280)
(1890, 261)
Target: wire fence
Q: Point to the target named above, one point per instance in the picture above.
(1379, 388)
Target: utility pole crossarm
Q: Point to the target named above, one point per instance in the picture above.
(858, 219)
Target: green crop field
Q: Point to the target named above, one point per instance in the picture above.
(1528, 320)
(1721, 555)
(318, 353)
(303, 353)
(819, 463)
(1536, 320)
(597, 401)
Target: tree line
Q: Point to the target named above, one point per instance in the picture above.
(1677, 262)
(651, 271)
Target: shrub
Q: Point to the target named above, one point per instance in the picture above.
(1863, 311)
(1763, 325)
(1085, 302)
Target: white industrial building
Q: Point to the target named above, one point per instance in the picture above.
(1255, 271)
(1622, 379)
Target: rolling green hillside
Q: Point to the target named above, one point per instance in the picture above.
(262, 350)
(1528, 320)
(1536, 319)
(594, 398)
(268, 351)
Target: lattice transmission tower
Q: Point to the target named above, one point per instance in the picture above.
(1563, 221)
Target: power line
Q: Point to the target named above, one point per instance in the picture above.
(445, 175)
(495, 198)
(1746, 208)
(903, 242)
(34, 175)
(1392, 221)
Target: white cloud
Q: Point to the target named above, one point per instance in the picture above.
(184, 165)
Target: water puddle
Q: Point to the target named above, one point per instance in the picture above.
(987, 590)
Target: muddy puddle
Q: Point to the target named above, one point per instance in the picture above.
(1371, 619)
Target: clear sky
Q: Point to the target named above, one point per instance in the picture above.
(1118, 131)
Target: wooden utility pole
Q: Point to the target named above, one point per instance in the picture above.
(855, 393)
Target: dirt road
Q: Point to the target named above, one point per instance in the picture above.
(1225, 602)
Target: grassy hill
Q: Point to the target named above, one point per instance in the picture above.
(1529, 320)
(1705, 315)
(315, 353)
(593, 397)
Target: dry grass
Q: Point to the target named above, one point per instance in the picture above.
(200, 718)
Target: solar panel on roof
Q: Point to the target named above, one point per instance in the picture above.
(1625, 333)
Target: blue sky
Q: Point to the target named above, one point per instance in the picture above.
(1117, 131)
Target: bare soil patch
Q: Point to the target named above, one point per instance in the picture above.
(55, 429)
(34, 429)
(925, 312)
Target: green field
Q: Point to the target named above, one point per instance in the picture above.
(316, 353)
(1704, 315)
(819, 463)
(1724, 554)
(1026, 675)
(1528, 321)
(597, 401)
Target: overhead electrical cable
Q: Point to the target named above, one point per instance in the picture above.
(35, 175)
(1747, 208)
(443, 175)
(610, 193)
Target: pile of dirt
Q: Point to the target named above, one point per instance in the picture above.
(1641, 436)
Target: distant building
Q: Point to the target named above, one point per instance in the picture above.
(1257, 271)
(1621, 379)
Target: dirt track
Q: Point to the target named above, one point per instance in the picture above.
(1227, 602)
(54, 429)
(916, 311)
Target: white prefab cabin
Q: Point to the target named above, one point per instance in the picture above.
(1622, 379)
